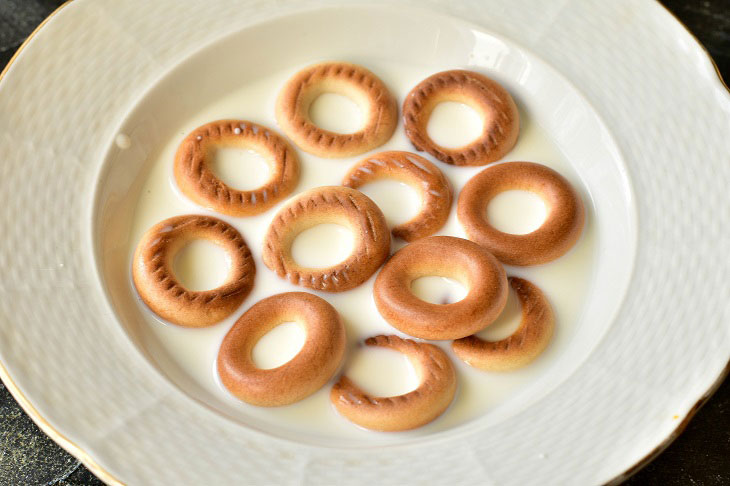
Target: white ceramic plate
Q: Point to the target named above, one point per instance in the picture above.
(628, 97)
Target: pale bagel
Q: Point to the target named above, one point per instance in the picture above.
(357, 83)
(524, 345)
(426, 178)
(402, 412)
(166, 296)
(197, 181)
(444, 256)
(488, 98)
(305, 373)
(557, 234)
(329, 204)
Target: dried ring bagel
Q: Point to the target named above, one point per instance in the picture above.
(487, 97)
(312, 367)
(412, 169)
(355, 82)
(401, 412)
(557, 234)
(445, 256)
(524, 345)
(198, 182)
(330, 204)
(166, 296)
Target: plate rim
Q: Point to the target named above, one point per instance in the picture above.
(90, 463)
(25, 403)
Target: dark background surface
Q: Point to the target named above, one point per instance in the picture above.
(700, 456)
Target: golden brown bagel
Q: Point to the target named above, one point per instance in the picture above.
(524, 345)
(495, 105)
(198, 182)
(329, 204)
(402, 412)
(416, 171)
(557, 234)
(166, 296)
(444, 256)
(305, 373)
(355, 82)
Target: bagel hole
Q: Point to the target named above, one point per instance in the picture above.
(323, 245)
(508, 321)
(336, 113)
(278, 346)
(453, 125)
(382, 372)
(516, 212)
(399, 202)
(438, 290)
(201, 265)
(239, 168)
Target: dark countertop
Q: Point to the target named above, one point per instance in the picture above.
(700, 456)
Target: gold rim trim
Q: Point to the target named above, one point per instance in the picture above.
(702, 46)
(682, 425)
(107, 477)
(32, 34)
(51, 432)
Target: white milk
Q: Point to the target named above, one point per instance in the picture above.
(323, 245)
(279, 345)
(336, 113)
(398, 201)
(240, 168)
(189, 355)
(201, 265)
(517, 212)
(438, 290)
(453, 124)
(507, 322)
(381, 372)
